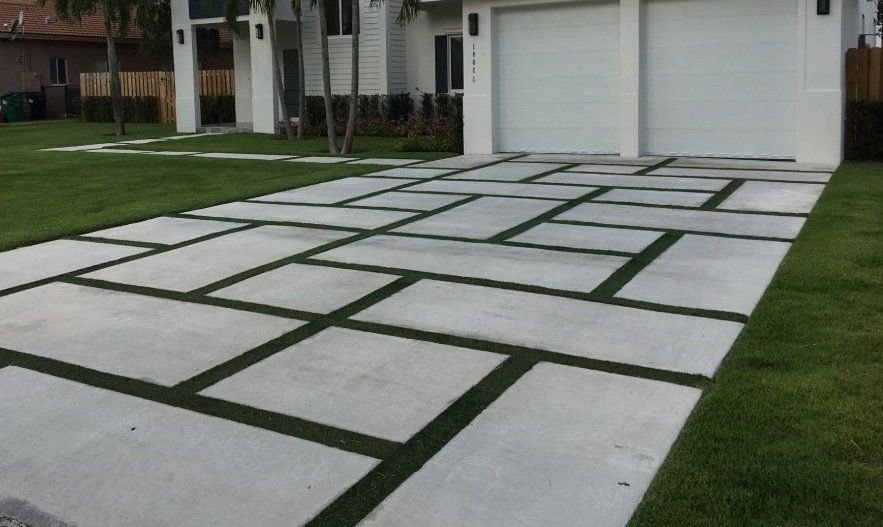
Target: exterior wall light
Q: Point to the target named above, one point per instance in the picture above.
(180, 35)
(823, 7)
(473, 24)
(259, 31)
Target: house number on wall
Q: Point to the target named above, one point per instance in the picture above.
(473, 62)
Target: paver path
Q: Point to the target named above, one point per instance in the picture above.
(474, 341)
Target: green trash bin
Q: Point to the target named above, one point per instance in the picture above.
(12, 106)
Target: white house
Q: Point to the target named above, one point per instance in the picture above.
(719, 78)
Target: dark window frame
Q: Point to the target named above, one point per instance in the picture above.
(55, 73)
(339, 17)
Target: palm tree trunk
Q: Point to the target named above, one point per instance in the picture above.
(302, 95)
(277, 70)
(116, 90)
(354, 86)
(326, 80)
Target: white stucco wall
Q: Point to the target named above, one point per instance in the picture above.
(437, 18)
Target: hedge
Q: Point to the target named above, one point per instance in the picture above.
(217, 109)
(864, 131)
(135, 109)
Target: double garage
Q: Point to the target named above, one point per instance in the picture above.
(714, 77)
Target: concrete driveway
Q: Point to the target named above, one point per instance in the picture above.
(471, 341)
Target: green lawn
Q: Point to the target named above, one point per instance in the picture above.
(46, 195)
(266, 144)
(791, 431)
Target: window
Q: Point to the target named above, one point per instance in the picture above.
(455, 61)
(448, 63)
(339, 17)
(58, 71)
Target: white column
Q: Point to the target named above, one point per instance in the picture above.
(264, 106)
(186, 70)
(478, 111)
(820, 79)
(630, 78)
(242, 71)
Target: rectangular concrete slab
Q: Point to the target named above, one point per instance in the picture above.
(118, 151)
(522, 265)
(592, 159)
(164, 230)
(311, 288)
(655, 197)
(607, 169)
(753, 164)
(45, 260)
(334, 191)
(321, 159)
(562, 447)
(384, 161)
(515, 190)
(465, 161)
(588, 237)
(769, 196)
(203, 263)
(708, 272)
(480, 219)
(153, 339)
(768, 175)
(383, 386)
(507, 171)
(573, 327)
(258, 157)
(78, 148)
(72, 454)
(688, 220)
(631, 181)
(411, 173)
(332, 216)
(409, 200)
(172, 153)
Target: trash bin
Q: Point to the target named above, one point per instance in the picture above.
(35, 104)
(12, 105)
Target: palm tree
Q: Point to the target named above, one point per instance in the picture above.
(407, 14)
(268, 7)
(296, 6)
(326, 78)
(112, 12)
(354, 83)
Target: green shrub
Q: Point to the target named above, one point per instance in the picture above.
(864, 131)
(427, 106)
(217, 109)
(135, 109)
(421, 143)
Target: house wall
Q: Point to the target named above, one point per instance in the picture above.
(32, 55)
(822, 44)
(437, 19)
(372, 53)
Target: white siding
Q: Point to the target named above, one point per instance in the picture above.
(371, 50)
(396, 59)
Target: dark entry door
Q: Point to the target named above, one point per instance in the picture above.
(291, 74)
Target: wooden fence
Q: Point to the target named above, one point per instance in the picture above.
(159, 84)
(864, 74)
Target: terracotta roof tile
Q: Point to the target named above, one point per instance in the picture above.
(42, 21)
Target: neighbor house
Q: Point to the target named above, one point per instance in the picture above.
(719, 78)
(41, 53)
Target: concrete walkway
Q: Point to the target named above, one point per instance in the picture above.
(486, 340)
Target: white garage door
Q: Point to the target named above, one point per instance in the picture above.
(557, 78)
(720, 78)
